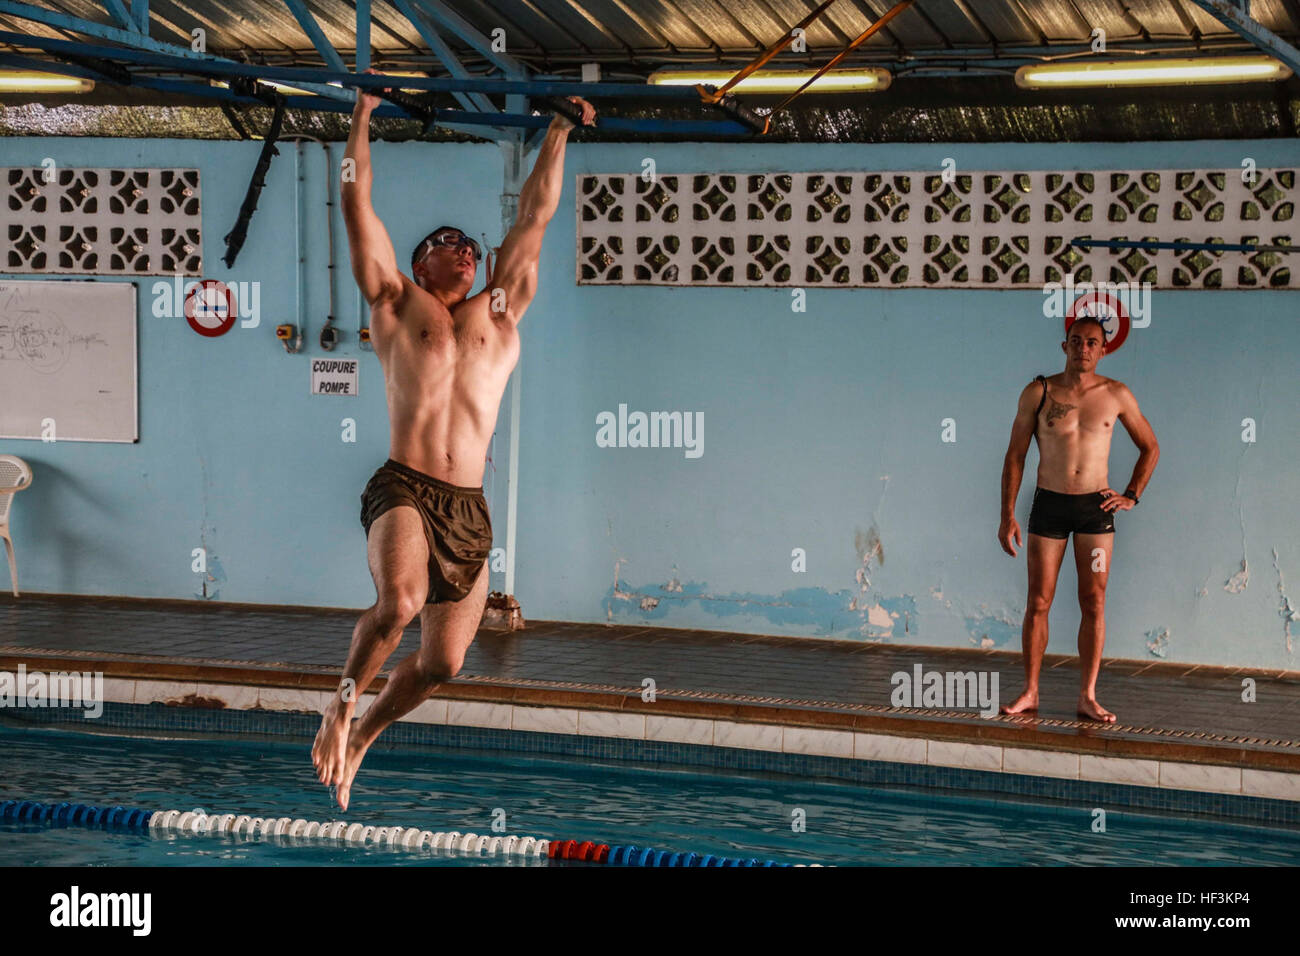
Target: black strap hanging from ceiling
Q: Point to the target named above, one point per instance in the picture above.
(235, 238)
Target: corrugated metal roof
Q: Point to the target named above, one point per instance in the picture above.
(631, 38)
(640, 34)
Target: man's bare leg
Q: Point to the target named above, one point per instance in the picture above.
(1094, 572)
(1043, 555)
(446, 632)
(399, 563)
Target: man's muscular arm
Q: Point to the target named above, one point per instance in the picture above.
(1144, 437)
(515, 271)
(1013, 469)
(374, 264)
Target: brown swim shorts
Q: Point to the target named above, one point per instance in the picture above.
(456, 524)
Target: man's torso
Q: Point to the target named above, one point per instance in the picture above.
(444, 374)
(1074, 431)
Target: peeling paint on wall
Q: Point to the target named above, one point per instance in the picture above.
(214, 575)
(817, 611)
(1237, 583)
(1158, 642)
(877, 616)
(1287, 612)
(212, 579)
(673, 584)
(993, 628)
(870, 551)
(886, 616)
(615, 592)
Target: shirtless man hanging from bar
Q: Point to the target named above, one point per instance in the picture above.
(1073, 416)
(446, 358)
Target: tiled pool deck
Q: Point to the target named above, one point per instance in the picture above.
(1181, 726)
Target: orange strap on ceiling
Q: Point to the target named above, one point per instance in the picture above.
(713, 96)
(866, 34)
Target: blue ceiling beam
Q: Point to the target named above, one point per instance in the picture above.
(136, 41)
(140, 11)
(470, 101)
(1236, 19)
(100, 31)
(316, 35)
(459, 120)
(458, 25)
(215, 66)
(20, 62)
(363, 36)
(190, 88)
(118, 12)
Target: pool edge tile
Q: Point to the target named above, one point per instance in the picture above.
(1271, 784)
(549, 720)
(821, 743)
(951, 753)
(605, 723)
(679, 730)
(1040, 763)
(1202, 777)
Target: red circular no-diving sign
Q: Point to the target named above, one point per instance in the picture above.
(1108, 310)
(210, 308)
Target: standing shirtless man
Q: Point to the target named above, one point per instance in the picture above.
(446, 359)
(1073, 416)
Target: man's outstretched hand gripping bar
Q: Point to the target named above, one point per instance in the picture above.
(570, 110)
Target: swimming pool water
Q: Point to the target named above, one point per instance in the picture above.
(745, 815)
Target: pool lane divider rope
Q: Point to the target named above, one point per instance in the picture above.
(127, 819)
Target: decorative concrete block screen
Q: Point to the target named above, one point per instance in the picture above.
(137, 222)
(984, 230)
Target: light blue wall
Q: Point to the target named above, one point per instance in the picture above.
(821, 429)
(235, 455)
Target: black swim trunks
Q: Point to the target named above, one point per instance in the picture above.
(1055, 515)
(456, 524)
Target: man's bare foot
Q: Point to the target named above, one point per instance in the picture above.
(1089, 708)
(328, 753)
(355, 754)
(1026, 703)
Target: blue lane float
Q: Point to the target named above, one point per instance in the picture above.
(139, 820)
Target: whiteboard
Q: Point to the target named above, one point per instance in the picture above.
(68, 361)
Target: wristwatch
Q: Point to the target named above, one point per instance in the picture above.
(1128, 493)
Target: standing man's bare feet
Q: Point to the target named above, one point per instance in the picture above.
(328, 753)
(1089, 708)
(1026, 703)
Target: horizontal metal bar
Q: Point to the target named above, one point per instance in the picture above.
(1181, 246)
(525, 121)
(370, 81)
(20, 62)
(450, 119)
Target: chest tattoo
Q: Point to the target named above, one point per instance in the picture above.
(1057, 410)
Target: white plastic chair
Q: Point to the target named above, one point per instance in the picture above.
(15, 475)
